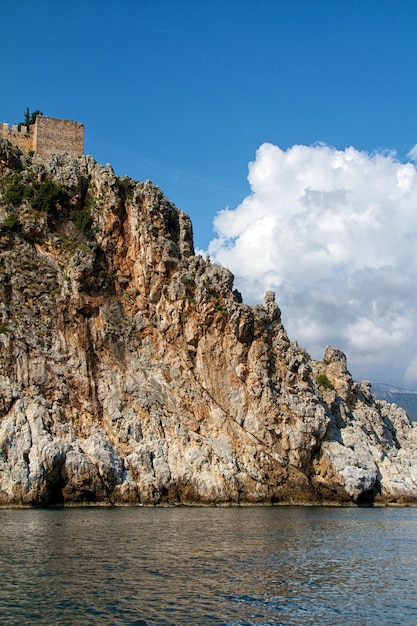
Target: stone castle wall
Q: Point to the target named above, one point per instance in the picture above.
(22, 138)
(53, 136)
(47, 136)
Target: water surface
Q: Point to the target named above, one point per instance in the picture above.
(237, 566)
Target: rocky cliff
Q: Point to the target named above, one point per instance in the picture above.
(131, 372)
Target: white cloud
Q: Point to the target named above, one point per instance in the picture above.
(334, 234)
(413, 153)
(410, 377)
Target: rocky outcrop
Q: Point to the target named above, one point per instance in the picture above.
(131, 372)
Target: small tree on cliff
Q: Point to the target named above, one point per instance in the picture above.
(30, 118)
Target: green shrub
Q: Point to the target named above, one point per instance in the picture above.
(16, 189)
(14, 193)
(219, 306)
(48, 196)
(82, 218)
(30, 118)
(11, 222)
(29, 192)
(323, 381)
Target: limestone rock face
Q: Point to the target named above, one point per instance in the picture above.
(131, 372)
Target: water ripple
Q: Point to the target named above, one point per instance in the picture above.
(226, 567)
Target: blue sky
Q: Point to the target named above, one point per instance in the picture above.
(184, 93)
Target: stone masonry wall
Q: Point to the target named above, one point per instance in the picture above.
(22, 138)
(47, 136)
(54, 135)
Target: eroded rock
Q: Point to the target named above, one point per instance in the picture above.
(131, 372)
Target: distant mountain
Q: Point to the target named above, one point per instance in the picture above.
(404, 398)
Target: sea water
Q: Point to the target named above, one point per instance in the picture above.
(231, 566)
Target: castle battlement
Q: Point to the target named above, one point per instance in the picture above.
(16, 128)
(47, 136)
